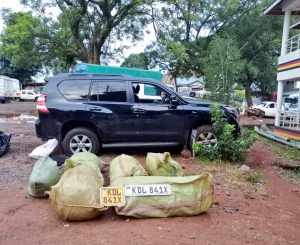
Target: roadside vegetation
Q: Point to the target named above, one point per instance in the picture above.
(286, 152)
(282, 150)
(224, 160)
(229, 148)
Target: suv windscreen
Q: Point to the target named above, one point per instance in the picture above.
(75, 89)
(114, 91)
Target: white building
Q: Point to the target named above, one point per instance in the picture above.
(288, 69)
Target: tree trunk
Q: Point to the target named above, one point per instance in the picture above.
(97, 52)
(248, 95)
(90, 54)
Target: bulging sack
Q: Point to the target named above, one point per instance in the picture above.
(45, 173)
(44, 150)
(162, 164)
(190, 195)
(125, 166)
(77, 195)
(84, 158)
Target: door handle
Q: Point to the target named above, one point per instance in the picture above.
(138, 110)
(95, 109)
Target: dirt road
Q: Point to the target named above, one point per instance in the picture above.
(270, 215)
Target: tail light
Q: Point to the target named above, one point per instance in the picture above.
(41, 104)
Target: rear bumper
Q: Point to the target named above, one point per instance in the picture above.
(46, 129)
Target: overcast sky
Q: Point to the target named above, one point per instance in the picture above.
(15, 6)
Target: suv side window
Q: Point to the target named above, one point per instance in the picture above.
(149, 93)
(114, 91)
(75, 89)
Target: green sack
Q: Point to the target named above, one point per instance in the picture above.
(77, 195)
(125, 166)
(84, 158)
(191, 195)
(159, 164)
(45, 173)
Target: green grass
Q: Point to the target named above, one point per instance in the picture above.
(295, 173)
(285, 151)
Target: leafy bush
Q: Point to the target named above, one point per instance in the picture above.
(228, 148)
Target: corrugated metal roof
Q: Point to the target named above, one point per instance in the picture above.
(99, 69)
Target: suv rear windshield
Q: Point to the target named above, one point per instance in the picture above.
(75, 89)
(114, 91)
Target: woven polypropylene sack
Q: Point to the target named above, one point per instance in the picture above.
(162, 164)
(191, 195)
(125, 166)
(77, 195)
(45, 173)
(84, 158)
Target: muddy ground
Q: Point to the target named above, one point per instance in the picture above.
(267, 213)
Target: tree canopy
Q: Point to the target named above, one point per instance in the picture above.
(227, 42)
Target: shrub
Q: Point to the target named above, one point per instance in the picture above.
(228, 148)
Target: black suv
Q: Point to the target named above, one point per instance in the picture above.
(87, 111)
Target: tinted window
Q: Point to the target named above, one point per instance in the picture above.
(108, 91)
(75, 89)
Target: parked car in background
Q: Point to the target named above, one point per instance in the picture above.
(28, 95)
(292, 111)
(85, 112)
(266, 109)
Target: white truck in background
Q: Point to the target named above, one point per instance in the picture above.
(9, 89)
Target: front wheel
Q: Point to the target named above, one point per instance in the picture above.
(262, 114)
(205, 136)
(80, 140)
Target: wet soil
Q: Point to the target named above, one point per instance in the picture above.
(270, 216)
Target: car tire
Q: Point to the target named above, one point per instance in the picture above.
(80, 140)
(205, 136)
(262, 114)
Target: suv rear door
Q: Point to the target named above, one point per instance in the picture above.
(109, 109)
(156, 120)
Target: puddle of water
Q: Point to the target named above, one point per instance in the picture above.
(17, 118)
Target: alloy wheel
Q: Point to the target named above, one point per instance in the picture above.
(80, 143)
(208, 139)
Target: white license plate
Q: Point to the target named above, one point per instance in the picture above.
(148, 190)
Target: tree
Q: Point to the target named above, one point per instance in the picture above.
(20, 41)
(28, 42)
(185, 28)
(223, 67)
(259, 46)
(22, 74)
(139, 61)
(95, 24)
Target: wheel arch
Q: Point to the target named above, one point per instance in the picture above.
(78, 124)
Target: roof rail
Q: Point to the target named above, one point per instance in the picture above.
(98, 75)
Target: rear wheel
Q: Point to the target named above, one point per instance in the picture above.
(80, 140)
(205, 136)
